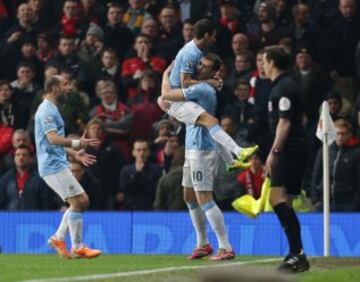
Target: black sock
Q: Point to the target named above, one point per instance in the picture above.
(291, 225)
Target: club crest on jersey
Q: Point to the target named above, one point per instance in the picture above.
(284, 104)
(48, 119)
(189, 64)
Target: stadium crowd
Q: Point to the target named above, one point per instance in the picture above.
(114, 53)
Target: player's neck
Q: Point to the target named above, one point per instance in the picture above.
(199, 43)
(51, 99)
(275, 74)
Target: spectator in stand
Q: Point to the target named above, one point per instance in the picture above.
(187, 31)
(116, 34)
(226, 188)
(25, 88)
(109, 163)
(67, 58)
(115, 115)
(138, 181)
(21, 188)
(90, 184)
(170, 37)
(11, 113)
(239, 44)
(163, 128)
(344, 37)
(72, 25)
(110, 70)
(91, 48)
(283, 13)
(242, 68)
(337, 109)
(151, 29)
(44, 48)
(144, 107)
(165, 155)
(264, 31)
(306, 33)
(135, 15)
(92, 11)
(133, 67)
(41, 19)
(169, 191)
(229, 16)
(19, 137)
(344, 160)
(251, 179)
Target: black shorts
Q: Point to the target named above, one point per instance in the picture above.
(290, 167)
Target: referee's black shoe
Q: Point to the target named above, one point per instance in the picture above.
(294, 263)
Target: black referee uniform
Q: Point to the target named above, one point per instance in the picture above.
(285, 102)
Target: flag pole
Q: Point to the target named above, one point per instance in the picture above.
(326, 178)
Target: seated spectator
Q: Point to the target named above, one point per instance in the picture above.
(243, 66)
(92, 11)
(25, 87)
(251, 179)
(344, 161)
(133, 67)
(151, 29)
(187, 31)
(109, 163)
(90, 184)
(42, 21)
(170, 38)
(163, 129)
(21, 188)
(116, 34)
(241, 111)
(144, 107)
(92, 47)
(135, 15)
(169, 191)
(239, 44)
(165, 155)
(338, 107)
(115, 115)
(72, 24)
(19, 138)
(67, 58)
(229, 16)
(44, 48)
(138, 181)
(226, 188)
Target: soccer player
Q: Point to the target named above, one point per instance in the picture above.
(191, 113)
(200, 162)
(286, 160)
(54, 168)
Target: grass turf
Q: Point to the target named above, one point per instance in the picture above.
(25, 267)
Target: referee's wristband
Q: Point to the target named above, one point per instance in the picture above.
(75, 144)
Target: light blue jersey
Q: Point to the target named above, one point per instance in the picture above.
(185, 62)
(198, 137)
(51, 158)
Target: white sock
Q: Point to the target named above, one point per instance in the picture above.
(63, 227)
(221, 137)
(199, 222)
(76, 228)
(226, 155)
(216, 220)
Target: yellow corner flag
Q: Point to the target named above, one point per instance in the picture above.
(249, 206)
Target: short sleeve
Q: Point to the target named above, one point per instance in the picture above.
(48, 123)
(188, 64)
(194, 92)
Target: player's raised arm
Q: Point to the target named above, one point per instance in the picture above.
(166, 91)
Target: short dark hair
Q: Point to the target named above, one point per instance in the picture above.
(143, 35)
(5, 82)
(279, 55)
(50, 83)
(26, 147)
(25, 64)
(202, 27)
(140, 140)
(216, 60)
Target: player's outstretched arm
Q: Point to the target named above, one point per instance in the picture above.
(76, 144)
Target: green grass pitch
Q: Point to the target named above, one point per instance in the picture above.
(127, 268)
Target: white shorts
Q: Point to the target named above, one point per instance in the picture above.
(186, 112)
(64, 184)
(200, 169)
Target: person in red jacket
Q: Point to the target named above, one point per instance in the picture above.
(134, 67)
(252, 178)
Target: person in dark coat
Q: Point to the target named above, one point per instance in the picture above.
(21, 188)
(344, 160)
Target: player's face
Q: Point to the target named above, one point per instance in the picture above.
(205, 69)
(22, 158)
(65, 87)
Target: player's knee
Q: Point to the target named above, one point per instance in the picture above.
(189, 196)
(207, 120)
(83, 202)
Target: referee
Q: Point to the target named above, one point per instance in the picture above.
(286, 161)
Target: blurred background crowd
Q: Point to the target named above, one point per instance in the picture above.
(114, 53)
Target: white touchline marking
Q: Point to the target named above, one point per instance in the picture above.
(149, 271)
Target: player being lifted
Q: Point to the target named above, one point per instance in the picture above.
(201, 161)
(54, 168)
(191, 113)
